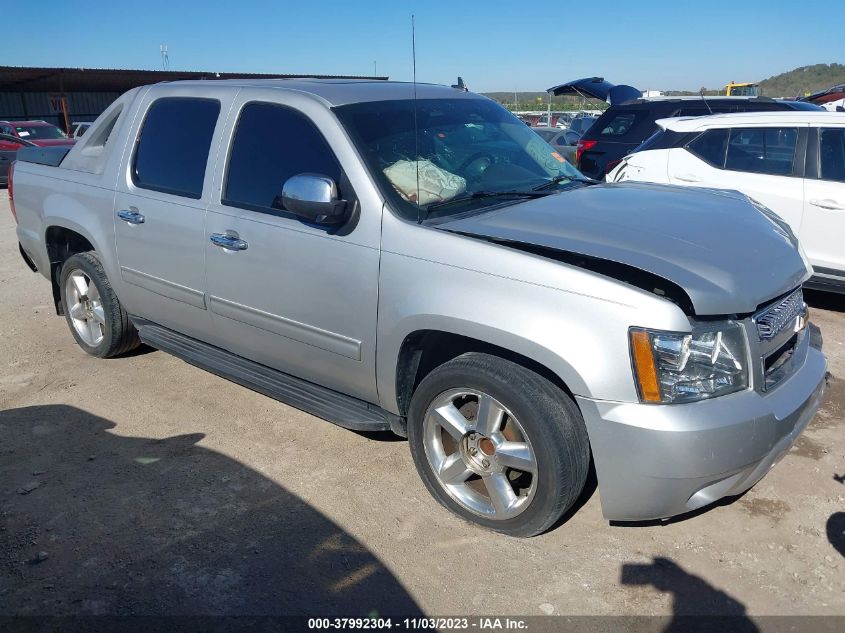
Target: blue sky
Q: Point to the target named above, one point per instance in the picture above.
(494, 45)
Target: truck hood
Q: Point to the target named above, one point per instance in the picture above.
(725, 252)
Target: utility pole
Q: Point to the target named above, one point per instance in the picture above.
(375, 69)
(165, 59)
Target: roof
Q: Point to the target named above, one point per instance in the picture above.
(30, 79)
(738, 119)
(338, 92)
(705, 97)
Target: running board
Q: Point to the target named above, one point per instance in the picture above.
(338, 408)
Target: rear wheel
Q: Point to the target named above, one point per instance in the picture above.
(96, 318)
(498, 444)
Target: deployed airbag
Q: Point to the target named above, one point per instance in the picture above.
(432, 185)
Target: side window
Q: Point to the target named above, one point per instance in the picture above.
(173, 145)
(768, 150)
(832, 154)
(271, 144)
(710, 147)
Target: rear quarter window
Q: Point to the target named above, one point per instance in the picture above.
(618, 124)
(710, 147)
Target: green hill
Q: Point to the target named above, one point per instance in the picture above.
(793, 83)
(806, 79)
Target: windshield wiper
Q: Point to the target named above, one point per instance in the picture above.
(476, 195)
(559, 179)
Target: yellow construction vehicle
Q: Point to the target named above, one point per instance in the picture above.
(745, 89)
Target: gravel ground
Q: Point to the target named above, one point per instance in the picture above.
(142, 485)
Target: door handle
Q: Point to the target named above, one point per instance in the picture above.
(132, 217)
(827, 204)
(688, 178)
(229, 242)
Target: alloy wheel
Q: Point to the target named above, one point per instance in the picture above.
(480, 454)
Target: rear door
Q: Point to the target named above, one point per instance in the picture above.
(823, 228)
(611, 137)
(765, 163)
(297, 297)
(160, 204)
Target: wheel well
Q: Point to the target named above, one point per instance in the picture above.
(424, 350)
(61, 244)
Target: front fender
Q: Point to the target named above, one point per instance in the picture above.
(573, 322)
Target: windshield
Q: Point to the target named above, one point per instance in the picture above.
(462, 147)
(31, 132)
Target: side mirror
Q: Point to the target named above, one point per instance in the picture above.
(314, 197)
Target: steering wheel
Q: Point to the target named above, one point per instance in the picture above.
(474, 166)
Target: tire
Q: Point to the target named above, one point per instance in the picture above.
(99, 323)
(509, 420)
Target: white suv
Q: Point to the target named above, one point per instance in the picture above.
(791, 162)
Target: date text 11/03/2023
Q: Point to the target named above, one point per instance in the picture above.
(418, 624)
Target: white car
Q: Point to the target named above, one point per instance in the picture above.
(77, 129)
(791, 162)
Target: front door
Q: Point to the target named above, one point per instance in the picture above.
(298, 297)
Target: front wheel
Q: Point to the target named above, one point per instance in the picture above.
(498, 444)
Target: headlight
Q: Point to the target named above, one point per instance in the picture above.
(673, 367)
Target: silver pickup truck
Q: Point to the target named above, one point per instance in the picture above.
(415, 259)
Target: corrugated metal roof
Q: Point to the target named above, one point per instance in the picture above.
(27, 79)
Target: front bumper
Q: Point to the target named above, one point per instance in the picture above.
(657, 461)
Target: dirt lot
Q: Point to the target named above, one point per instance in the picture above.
(142, 485)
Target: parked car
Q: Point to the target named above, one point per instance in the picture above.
(9, 146)
(39, 133)
(431, 267)
(831, 99)
(563, 119)
(564, 141)
(77, 129)
(580, 124)
(791, 162)
(630, 119)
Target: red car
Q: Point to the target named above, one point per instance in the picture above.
(40, 133)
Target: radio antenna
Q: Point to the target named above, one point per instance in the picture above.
(701, 92)
(416, 128)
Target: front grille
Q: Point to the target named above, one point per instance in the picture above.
(779, 364)
(773, 320)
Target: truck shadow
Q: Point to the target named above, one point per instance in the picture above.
(696, 604)
(93, 523)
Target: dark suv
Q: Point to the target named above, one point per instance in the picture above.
(630, 119)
